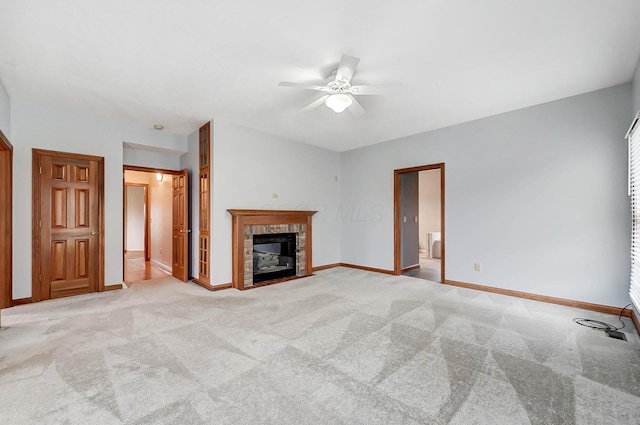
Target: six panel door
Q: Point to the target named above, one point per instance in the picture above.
(180, 228)
(69, 223)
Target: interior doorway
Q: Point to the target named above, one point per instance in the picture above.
(6, 226)
(419, 222)
(151, 250)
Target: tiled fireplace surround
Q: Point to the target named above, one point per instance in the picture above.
(246, 223)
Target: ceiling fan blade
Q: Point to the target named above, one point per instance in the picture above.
(315, 103)
(347, 68)
(356, 108)
(302, 86)
(378, 89)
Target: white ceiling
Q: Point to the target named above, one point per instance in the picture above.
(181, 63)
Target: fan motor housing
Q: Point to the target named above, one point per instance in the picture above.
(336, 87)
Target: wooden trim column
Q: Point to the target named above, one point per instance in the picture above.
(203, 275)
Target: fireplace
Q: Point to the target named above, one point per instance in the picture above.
(274, 256)
(285, 233)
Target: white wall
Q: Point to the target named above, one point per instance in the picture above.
(160, 197)
(250, 166)
(538, 196)
(55, 129)
(5, 112)
(141, 177)
(134, 223)
(429, 204)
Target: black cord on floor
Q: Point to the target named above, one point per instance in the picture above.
(601, 326)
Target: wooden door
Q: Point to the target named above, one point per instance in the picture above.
(69, 225)
(180, 226)
(6, 226)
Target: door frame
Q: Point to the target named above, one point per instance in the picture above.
(397, 269)
(36, 213)
(147, 170)
(6, 222)
(147, 213)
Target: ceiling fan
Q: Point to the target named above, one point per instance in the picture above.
(340, 92)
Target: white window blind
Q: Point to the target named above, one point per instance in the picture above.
(633, 136)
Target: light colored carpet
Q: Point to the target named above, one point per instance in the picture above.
(342, 347)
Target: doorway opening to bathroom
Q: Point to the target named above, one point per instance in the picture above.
(419, 249)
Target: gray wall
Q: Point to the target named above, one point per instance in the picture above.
(409, 212)
(636, 89)
(5, 111)
(250, 167)
(537, 195)
(151, 159)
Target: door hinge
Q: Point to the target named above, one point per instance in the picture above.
(40, 223)
(40, 170)
(40, 277)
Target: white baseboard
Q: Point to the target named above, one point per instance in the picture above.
(161, 265)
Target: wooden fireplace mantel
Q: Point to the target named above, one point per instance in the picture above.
(245, 217)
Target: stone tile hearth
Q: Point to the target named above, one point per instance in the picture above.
(271, 229)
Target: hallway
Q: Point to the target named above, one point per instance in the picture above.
(136, 269)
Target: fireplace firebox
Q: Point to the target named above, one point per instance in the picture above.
(274, 256)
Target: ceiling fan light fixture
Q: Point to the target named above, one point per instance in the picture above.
(338, 102)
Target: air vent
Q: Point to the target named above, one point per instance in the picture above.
(616, 335)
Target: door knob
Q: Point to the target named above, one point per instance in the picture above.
(93, 233)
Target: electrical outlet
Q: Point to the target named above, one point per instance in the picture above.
(477, 267)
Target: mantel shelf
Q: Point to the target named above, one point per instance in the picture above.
(241, 212)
